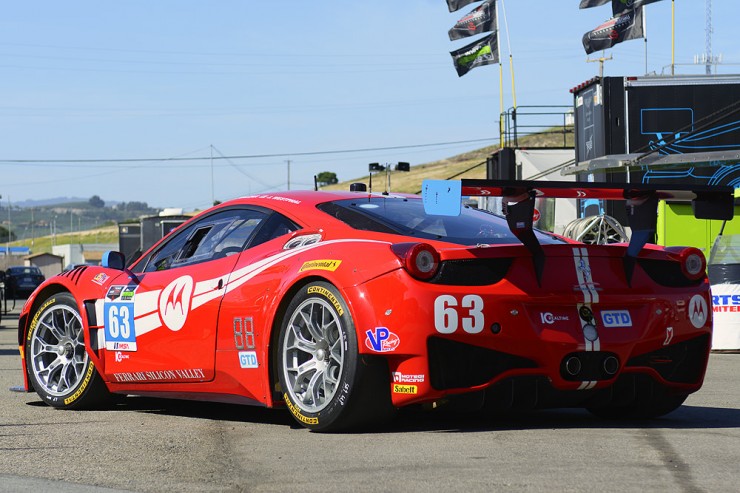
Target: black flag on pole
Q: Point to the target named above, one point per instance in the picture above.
(476, 54)
(619, 6)
(454, 5)
(481, 19)
(623, 27)
(585, 4)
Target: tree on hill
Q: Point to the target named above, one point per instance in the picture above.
(96, 202)
(4, 235)
(326, 178)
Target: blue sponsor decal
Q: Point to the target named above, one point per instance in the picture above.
(726, 299)
(381, 339)
(616, 318)
(120, 334)
(248, 359)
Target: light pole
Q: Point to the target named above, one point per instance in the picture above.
(376, 167)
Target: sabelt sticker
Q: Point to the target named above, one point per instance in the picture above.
(698, 311)
(381, 340)
(405, 389)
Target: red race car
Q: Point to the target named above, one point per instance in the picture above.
(344, 306)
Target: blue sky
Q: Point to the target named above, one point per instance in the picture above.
(288, 80)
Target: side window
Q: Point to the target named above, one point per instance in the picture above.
(219, 235)
(275, 226)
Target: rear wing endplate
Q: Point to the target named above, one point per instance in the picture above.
(444, 197)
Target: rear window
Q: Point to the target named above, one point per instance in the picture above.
(24, 271)
(407, 217)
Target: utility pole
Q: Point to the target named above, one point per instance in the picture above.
(8, 246)
(601, 61)
(213, 193)
(288, 162)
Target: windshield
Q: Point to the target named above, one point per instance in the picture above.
(407, 217)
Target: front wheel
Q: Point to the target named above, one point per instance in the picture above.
(56, 360)
(327, 385)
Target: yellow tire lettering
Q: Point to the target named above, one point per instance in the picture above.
(297, 413)
(328, 295)
(78, 393)
(36, 317)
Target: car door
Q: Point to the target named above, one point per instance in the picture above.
(161, 326)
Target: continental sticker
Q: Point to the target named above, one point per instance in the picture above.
(330, 265)
(328, 294)
(297, 413)
(405, 389)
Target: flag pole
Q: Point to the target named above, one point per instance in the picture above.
(644, 32)
(673, 37)
(511, 57)
(500, 85)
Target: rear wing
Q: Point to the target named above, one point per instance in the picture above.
(444, 197)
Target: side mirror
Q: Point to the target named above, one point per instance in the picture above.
(113, 260)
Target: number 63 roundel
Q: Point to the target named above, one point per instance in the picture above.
(451, 313)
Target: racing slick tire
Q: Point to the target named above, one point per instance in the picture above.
(648, 406)
(326, 384)
(57, 363)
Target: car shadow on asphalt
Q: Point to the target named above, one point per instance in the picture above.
(415, 419)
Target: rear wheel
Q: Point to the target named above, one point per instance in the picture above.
(56, 360)
(327, 385)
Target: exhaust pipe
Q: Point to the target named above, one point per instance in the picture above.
(573, 366)
(611, 365)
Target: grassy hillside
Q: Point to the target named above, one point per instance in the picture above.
(107, 234)
(468, 165)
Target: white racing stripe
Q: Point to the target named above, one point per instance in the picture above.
(590, 297)
(146, 304)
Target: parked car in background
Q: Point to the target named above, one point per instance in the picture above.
(20, 281)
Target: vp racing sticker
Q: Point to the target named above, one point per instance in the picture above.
(381, 340)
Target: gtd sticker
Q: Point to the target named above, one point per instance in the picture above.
(381, 340)
(119, 327)
(174, 302)
(616, 318)
(248, 359)
(698, 311)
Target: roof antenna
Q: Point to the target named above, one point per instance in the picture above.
(315, 184)
(371, 183)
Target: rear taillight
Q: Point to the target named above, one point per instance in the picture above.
(420, 260)
(693, 263)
